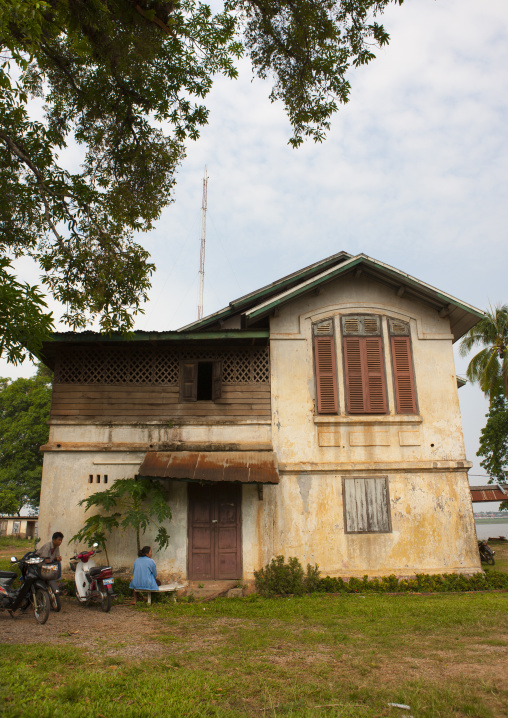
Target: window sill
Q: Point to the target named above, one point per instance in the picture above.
(369, 419)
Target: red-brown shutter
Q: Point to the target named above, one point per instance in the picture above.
(405, 395)
(375, 376)
(365, 376)
(326, 375)
(354, 375)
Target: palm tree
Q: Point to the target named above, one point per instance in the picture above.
(489, 368)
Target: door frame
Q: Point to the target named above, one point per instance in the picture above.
(217, 486)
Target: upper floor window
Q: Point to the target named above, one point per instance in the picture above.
(200, 380)
(363, 358)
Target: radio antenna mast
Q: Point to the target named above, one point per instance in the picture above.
(202, 251)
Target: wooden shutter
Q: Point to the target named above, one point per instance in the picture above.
(216, 380)
(365, 375)
(366, 505)
(375, 374)
(326, 375)
(405, 395)
(188, 381)
(354, 375)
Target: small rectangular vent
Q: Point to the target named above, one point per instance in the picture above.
(371, 325)
(361, 325)
(324, 328)
(398, 328)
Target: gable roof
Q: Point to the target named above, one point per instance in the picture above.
(261, 303)
(238, 306)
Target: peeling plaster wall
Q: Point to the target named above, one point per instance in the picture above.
(423, 457)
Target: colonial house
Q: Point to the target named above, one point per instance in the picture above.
(316, 417)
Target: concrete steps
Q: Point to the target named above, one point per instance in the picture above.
(207, 589)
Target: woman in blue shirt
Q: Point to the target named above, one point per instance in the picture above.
(144, 572)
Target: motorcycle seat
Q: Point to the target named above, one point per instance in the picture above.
(95, 570)
(9, 575)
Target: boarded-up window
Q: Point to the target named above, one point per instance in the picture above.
(402, 361)
(326, 369)
(366, 505)
(200, 380)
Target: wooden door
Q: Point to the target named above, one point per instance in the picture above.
(215, 551)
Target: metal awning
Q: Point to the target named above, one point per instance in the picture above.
(490, 492)
(247, 467)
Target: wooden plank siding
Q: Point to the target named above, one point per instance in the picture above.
(144, 402)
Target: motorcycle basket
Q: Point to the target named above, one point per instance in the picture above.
(73, 564)
(49, 571)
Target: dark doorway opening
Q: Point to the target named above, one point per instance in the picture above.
(205, 381)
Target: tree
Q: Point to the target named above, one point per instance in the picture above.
(494, 443)
(138, 504)
(8, 502)
(124, 79)
(489, 367)
(24, 415)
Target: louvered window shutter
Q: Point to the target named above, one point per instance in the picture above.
(217, 380)
(354, 375)
(375, 380)
(365, 376)
(326, 375)
(405, 394)
(188, 381)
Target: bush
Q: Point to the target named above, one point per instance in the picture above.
(279, 578)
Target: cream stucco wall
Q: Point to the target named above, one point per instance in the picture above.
(422, 456)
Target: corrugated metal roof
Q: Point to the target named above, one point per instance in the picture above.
(247, 467)
(491, 492)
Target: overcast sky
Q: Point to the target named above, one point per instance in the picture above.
(413, 173)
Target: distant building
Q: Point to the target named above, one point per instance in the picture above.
(20, 526)
(316, 417)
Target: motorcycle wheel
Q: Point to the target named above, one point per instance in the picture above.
(105, 601)
(41, 606)
(55, 601)
(491, 560)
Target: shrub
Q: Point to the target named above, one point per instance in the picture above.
(283, 579)
(280, 578)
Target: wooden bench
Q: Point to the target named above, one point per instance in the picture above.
(170, 588)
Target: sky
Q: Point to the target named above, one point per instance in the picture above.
(413, 173)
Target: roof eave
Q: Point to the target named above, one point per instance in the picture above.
(441, 301)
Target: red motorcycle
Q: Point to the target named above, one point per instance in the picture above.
(93, 583)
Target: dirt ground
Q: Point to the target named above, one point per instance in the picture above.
(87, 627)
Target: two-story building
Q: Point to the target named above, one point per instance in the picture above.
(317, 417)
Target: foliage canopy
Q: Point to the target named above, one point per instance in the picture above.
(489, 367)
(24, 414)
(124, 81)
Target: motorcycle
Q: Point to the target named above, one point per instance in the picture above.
(93, 583)
(49, 573)
(33, 590)
(486, 553)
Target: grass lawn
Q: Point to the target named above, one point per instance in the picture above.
(12, 546)
(501, 557)
(344, 656)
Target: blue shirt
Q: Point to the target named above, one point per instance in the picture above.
(144, 573)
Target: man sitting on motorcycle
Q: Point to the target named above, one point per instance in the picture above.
(51, 551)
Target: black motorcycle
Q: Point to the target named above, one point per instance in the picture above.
(486, 553)
(33, 590)
(49, 574)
